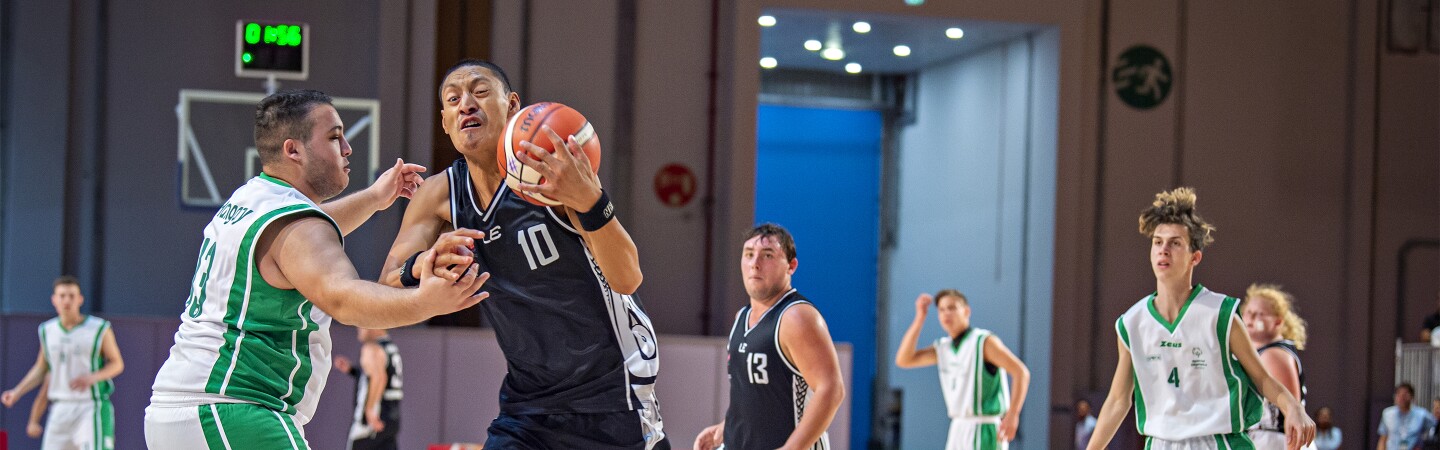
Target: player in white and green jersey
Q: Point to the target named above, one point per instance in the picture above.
(78, 358)
(253, 348)
(973, 366)
(1185, 359)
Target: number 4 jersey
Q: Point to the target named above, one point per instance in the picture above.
(572, 344)
(1187, 382)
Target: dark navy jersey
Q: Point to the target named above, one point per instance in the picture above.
(1272, 418)
(391, 396)
(571, 343)
(767, 394)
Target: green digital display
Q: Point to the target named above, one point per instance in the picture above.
(265, 49)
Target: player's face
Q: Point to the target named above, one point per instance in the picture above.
(765, 268)
(473, 109)
(326, 153)
(1403, 397)
(67, 299)
(1260, 319)
(954, 315)
(1170, 255)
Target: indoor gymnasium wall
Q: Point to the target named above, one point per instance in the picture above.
(1314, 152)
(976, 176)
(99, 134)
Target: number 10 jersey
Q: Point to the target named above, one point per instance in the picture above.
(571, 343)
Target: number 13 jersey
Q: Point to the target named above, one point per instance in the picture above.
(572, 344)
(767, 395)
(1187, 382)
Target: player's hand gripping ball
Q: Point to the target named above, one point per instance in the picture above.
(525, 126)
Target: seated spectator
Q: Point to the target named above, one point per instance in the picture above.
(1427, 328)
(1327, 435)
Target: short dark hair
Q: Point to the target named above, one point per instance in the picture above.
(1407, 387)
(777, 232)
(284, 115)
(951, 293)
(472, 62)
(67, 280)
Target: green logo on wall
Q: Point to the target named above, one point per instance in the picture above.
(1142, 77)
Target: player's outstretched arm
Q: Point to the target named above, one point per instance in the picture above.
(37, 411)
(114, 364)
(571, 180)
(304, 254)
(998, 354)
(909, 357)
(425, 220)
(1299, 429)
(353, 210)
(1117, 403)
(805, 340)
(33, 378)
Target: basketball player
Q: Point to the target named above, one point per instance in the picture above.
(253, 349)
(1184, 354)
(579, 348)
(973, 367)
(78, 358)
(785, 382)
(377, 391)
(1278, 335)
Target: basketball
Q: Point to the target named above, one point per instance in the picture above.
(526, 126)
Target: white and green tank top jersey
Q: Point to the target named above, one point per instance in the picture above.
(240, 339)
(72, 353)
(971, 389)
(1187, 381)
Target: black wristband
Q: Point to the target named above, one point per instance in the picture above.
(407, 276)
(602, 213)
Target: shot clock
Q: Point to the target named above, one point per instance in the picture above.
(272, 49)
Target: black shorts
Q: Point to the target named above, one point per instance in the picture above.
(618, 430)
(384, 440)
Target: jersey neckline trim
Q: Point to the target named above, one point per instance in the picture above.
(749, 309)
(1170, 326)
(267, 177)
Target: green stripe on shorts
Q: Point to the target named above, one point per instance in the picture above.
(236, 426)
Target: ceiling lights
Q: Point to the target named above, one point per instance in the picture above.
(767, 21)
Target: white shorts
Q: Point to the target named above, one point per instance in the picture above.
(978, 433)
(1211, 442)
(80, 425)
(228, 426)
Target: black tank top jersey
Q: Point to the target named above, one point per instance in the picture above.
(1289, 347)
(571, 344)
(391, 396)
(767, 394)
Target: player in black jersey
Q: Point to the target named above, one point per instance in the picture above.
(785, 382)
(377, 391)
(580, 351)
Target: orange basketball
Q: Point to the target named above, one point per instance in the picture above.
(525, 126)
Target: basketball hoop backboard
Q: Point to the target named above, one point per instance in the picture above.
(216, 150)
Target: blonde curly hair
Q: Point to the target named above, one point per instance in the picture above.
(1282, 304)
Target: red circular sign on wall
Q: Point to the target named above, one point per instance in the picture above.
(675, 185)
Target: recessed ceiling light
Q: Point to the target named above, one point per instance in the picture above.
(954, 33)
(767, 21)
(902, 50)
(768, 62)
(852, 67)
(861, 27)
(833, 54)
(812, 45)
